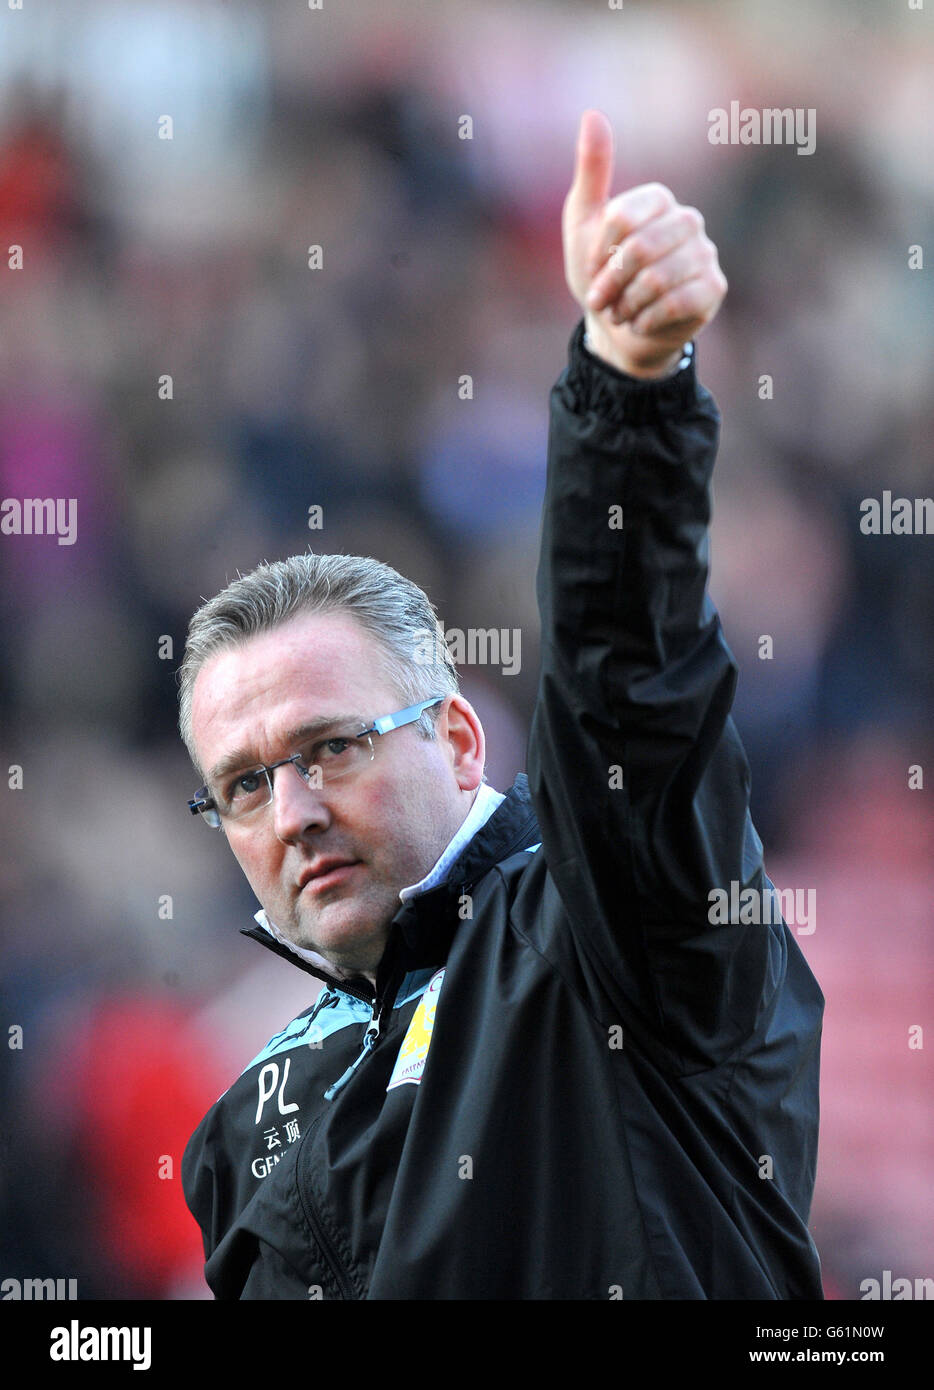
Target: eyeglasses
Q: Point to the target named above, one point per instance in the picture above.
(339, 753)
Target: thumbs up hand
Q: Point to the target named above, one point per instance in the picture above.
(639, 265)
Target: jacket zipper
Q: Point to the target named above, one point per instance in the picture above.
(326, 1000)
(326, 1247)
(369, 1042)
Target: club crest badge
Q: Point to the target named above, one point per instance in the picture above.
(410, 1064)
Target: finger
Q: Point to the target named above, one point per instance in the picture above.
(688, 260)
(625, 214)
(593, 169)
(645, 247)
(692, 304)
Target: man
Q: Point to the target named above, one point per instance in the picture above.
(541, 1066)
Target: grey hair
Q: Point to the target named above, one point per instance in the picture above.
(393, 609)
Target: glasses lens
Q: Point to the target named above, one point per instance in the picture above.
(338, 755)
(246, 792)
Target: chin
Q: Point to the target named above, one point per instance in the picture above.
(345, 937)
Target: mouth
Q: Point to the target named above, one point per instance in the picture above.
(327, 876)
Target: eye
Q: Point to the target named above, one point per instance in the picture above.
(245, 786)
(333, 755)
(329, 750)
(334, 747)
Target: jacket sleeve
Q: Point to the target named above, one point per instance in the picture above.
(637, 773)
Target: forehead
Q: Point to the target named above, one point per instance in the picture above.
(315, 665)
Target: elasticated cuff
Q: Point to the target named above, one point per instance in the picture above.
(593, 385)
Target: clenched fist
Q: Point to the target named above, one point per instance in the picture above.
(639, 265)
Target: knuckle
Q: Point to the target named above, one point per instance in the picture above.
(695, 292)
(614, 217)
(651, 281)
(680, 305)
(637, 251)
(607, 279)
(691, 220)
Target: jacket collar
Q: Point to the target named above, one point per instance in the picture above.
(422, 930)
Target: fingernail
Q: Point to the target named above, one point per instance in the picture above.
(593, 298)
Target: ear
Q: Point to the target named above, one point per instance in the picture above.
(461, 734)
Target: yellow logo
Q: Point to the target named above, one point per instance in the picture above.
(414, 1050)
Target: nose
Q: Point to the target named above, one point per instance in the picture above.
(297, 805)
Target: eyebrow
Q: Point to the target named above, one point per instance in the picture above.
(245, 757)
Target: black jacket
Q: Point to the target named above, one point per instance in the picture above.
(620, 1098)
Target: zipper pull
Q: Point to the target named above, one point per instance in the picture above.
(369, 1042)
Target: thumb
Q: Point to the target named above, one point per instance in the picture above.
(593, 170)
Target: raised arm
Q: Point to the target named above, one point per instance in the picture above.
(637, 772)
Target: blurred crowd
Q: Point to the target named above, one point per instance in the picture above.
(337, 387)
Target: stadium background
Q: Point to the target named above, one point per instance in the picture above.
(338, 388)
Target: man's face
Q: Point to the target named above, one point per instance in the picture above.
(388, 823)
